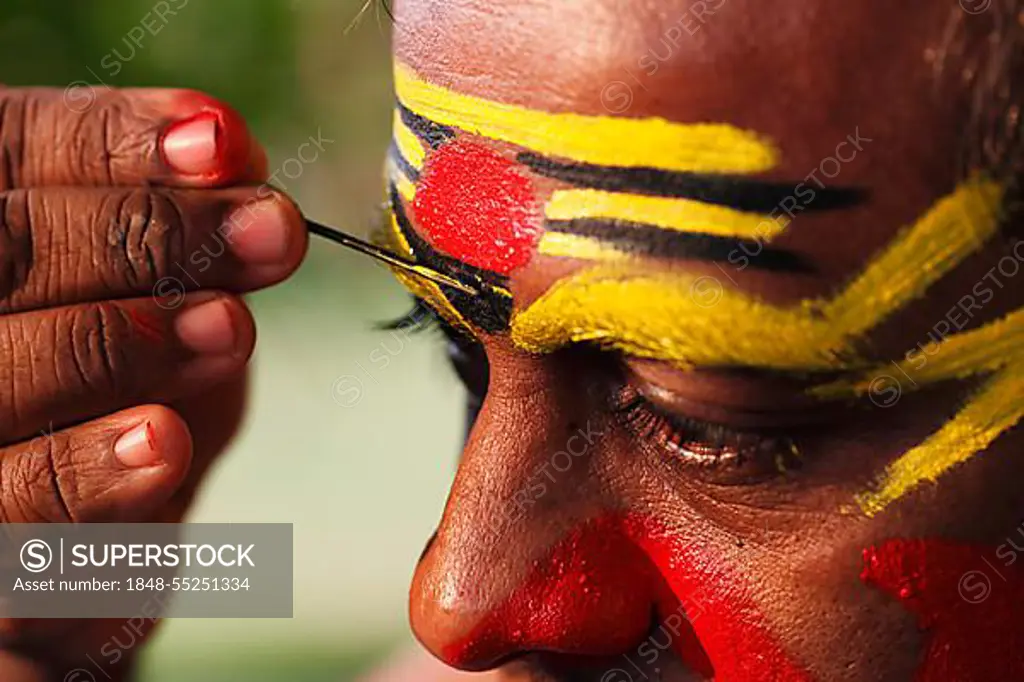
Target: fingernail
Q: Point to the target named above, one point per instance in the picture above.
(137, 446)
(191, 146)
(207, 328)
(260, 233)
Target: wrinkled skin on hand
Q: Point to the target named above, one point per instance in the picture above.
(130, 223)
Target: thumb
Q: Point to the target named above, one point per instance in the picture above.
(119, 468)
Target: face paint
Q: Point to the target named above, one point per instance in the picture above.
(741, 193)
(965, 603)
(639, 314)
(681, 215)
(653, 142)
(394, 239)
(685, 200)
(408, 147)
(561, 244)
(488, 309)
(476, 206)
(672, 192)
(594, 594)
(996, 349)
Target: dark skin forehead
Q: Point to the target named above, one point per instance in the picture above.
(797, 73)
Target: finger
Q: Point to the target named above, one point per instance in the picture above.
(66, 365)
(61, 246)
(95, 135)
(119, 468)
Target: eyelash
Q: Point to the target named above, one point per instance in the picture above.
(420, 318)
(465, 354)
(696, 443)
(704, 444)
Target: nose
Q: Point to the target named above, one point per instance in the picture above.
(527, 557)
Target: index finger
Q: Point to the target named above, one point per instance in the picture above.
(95, 135)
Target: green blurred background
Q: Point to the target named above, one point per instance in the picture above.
(355, 452)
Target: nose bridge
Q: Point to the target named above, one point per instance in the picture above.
(531, 451)
(518, 563)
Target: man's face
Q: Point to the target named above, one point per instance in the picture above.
(752, 332)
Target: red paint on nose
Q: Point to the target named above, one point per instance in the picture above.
(477, 206)
(967, 598)
(597, 591)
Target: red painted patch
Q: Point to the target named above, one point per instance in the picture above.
(725, 618)
(596, 592)
(967, 598)
(477, 206)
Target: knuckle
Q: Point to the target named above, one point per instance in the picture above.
(96, 351)
(15, 244)
(102, 136)
(79, 135)
(146, 236)
(41, 484)
(15, 106)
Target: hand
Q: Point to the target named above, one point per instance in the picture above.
(130, 220)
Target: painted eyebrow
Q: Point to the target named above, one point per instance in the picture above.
(662, 315)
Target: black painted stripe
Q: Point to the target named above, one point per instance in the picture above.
(488, 310)
(657, 242)
(408, 170)
(734, 191)
(434, 134)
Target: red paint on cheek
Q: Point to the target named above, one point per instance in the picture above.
(725, 618)
(477, 206)
(967, 598)
(596, 594)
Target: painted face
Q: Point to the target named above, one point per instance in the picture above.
(745, 336)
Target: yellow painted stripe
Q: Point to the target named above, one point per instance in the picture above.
(996, 348)
(574, 246)
(406, 189)
(684, 215)
(985, 350)
(641, 314)
(957, 226)
(994, 409)
(699, 321)
(431, 294)
(408, 144)
(604, 140)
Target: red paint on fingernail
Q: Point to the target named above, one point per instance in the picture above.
(595, 594)
(151, 436)
(137, 446)
(965, 597)
(478, 207)
(213, 144)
